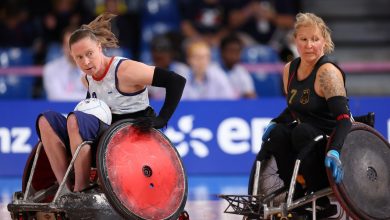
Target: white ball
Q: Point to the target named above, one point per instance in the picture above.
(95, 107)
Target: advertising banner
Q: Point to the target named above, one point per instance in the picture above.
(213, 137)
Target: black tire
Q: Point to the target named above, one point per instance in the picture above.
(364, 190)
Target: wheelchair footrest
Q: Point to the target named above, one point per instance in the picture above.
(246, 205)
(28, 207)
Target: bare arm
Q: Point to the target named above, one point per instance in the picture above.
(330, 81)
(331, 85)
(285, 77)
(134, 76)
(285, 116)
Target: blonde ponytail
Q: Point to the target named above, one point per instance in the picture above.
(99, 30)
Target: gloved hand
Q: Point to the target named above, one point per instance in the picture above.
(332, 161)
(146, 123)
(268, 130)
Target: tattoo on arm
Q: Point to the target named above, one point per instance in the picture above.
(331, 83)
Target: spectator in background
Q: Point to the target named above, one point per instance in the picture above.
(204, 19)
(127, 16)
(18, 30)
(61, 14)
(61, 77)
(205, 79)
(242, 82)
(265, 22)
(163, 56)
(16, 27)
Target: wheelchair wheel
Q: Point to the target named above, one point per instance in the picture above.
(270, 186)
(141, 173)
(365, 188)
(43, 177)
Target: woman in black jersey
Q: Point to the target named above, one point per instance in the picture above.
(317, 101)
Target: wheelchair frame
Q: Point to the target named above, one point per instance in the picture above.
(256, 206)
(26, 204)
(364, 142)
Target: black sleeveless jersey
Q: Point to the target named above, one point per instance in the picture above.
(303, 102)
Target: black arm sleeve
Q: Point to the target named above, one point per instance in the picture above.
(174, 86)
(338, 105)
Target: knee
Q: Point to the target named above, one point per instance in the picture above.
(279, 139)
(302, 130)
(280, 132)
(43, 124)
(71, 123)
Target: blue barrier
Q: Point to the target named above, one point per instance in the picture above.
(213, 137)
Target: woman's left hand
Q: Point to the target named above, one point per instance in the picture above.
(146, 123)
(332, 161)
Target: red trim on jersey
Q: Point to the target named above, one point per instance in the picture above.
(289, 81)
(342, 116)
(105, 71)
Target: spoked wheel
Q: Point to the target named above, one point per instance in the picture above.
(270, 186)
(142, 174)
(365, 188)
(43, 176)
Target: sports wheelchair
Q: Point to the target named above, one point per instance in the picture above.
(362, 194)
(138, 175)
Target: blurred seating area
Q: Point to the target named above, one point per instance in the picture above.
(31, 37)
(16, 86)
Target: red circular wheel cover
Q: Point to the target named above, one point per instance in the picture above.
(145, 173)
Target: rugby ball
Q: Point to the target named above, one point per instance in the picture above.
(95, 107)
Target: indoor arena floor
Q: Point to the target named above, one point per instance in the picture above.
(203, 202)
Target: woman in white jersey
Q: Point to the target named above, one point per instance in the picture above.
(119, 82)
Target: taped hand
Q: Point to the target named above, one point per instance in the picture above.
(332, 161)
(268, 130)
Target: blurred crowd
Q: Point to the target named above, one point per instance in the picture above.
(204, 40)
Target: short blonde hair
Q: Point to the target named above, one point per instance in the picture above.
(310, 19)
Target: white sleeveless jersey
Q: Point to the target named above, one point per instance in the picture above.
(107, 90)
